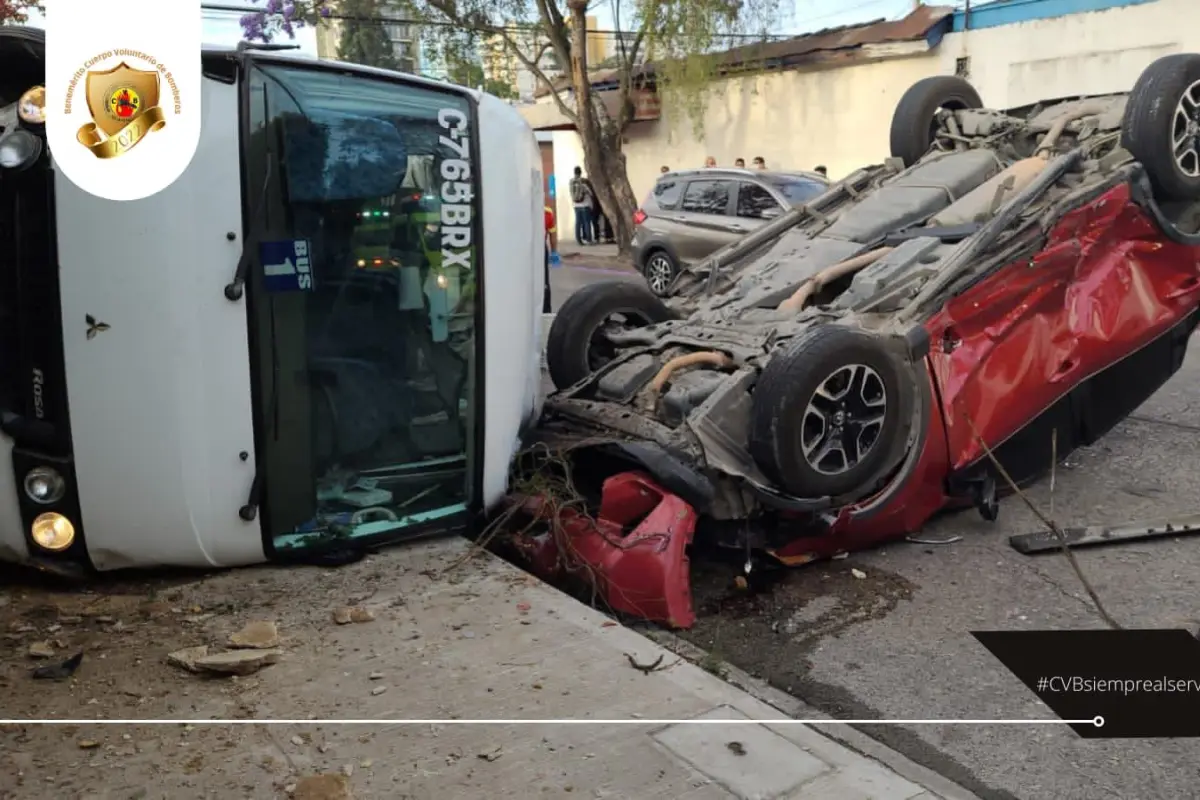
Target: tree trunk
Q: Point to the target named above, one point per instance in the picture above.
(601, 139)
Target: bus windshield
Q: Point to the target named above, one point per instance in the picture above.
(362, 306)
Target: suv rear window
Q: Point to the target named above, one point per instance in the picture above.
(799, 190)
(667, 192)
(707, 197)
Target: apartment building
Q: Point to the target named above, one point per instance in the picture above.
(403, 36)
(501, 64)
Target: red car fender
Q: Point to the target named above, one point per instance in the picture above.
(634, 553)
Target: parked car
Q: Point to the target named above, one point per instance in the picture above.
(922, 336)
(690, 214)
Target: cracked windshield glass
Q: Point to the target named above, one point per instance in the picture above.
(363, 311)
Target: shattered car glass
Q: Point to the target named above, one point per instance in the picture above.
(913, 339)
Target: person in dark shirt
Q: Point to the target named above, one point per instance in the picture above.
(601, 230)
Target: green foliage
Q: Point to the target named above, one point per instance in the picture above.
(466, 70)
(364, 39)
(683, 38)
(688, 41)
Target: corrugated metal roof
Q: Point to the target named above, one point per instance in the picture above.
(784, 52)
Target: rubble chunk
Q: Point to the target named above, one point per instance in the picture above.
(323, 787)
(187, 657)
(347, 614)
(41, 650)
(238, 662)
(256, 635)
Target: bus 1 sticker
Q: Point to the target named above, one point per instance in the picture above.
(456, 190)
(286, 265)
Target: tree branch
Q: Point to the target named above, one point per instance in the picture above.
(556, 30)
(447, 9)
(629, 60)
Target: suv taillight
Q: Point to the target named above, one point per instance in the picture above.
(639, 217)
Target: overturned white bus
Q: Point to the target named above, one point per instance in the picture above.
(287, 349)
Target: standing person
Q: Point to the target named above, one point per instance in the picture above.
(601, 230)
(581, 198)
(740, 163)
(710, 162)
(759, 163)
(547, 306)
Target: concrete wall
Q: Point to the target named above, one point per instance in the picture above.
(794, 120)
(840, 117)
(1092, 53)
(568, 154)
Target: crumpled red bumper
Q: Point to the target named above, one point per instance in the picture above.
(633, 553)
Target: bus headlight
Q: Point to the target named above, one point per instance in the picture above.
(44, 485)
(53, 531)
(19, 149)
(32, 106)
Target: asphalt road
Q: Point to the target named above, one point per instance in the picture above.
(896, 644)
(573, 274)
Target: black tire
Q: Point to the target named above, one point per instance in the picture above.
(1149, 127)
(570, 350)
(659, 268)
(781, 419)
(913, 120)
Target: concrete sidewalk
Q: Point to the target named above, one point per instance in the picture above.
(481, 641)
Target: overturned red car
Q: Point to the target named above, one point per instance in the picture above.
(1006, 280)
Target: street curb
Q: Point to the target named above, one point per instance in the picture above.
(845, 735)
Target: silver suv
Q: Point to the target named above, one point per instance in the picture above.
(692, 213)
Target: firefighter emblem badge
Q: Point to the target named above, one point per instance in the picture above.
(123, 102)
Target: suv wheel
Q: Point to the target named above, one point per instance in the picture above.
(578, 346)
(1161, 127)
(660, 271)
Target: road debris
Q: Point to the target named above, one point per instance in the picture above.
(378, 690)
(858, 573)
(924, 540)
(44, 649)
(375, 676)
(645, 669)
(187, 657)
(523, 607)
(737, 748)
(347, 614)
(256, 635)
(491, 755)
(323, 787)
(298, 740)
(88, 744)
(238, 662)
(60, 671)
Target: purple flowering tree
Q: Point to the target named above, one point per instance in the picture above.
(549, 38)
(16, 12)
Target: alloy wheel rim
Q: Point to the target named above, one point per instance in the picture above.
(1185, 132)
(658, 274)
(843, 419)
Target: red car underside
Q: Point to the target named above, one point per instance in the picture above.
(1107, 283)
